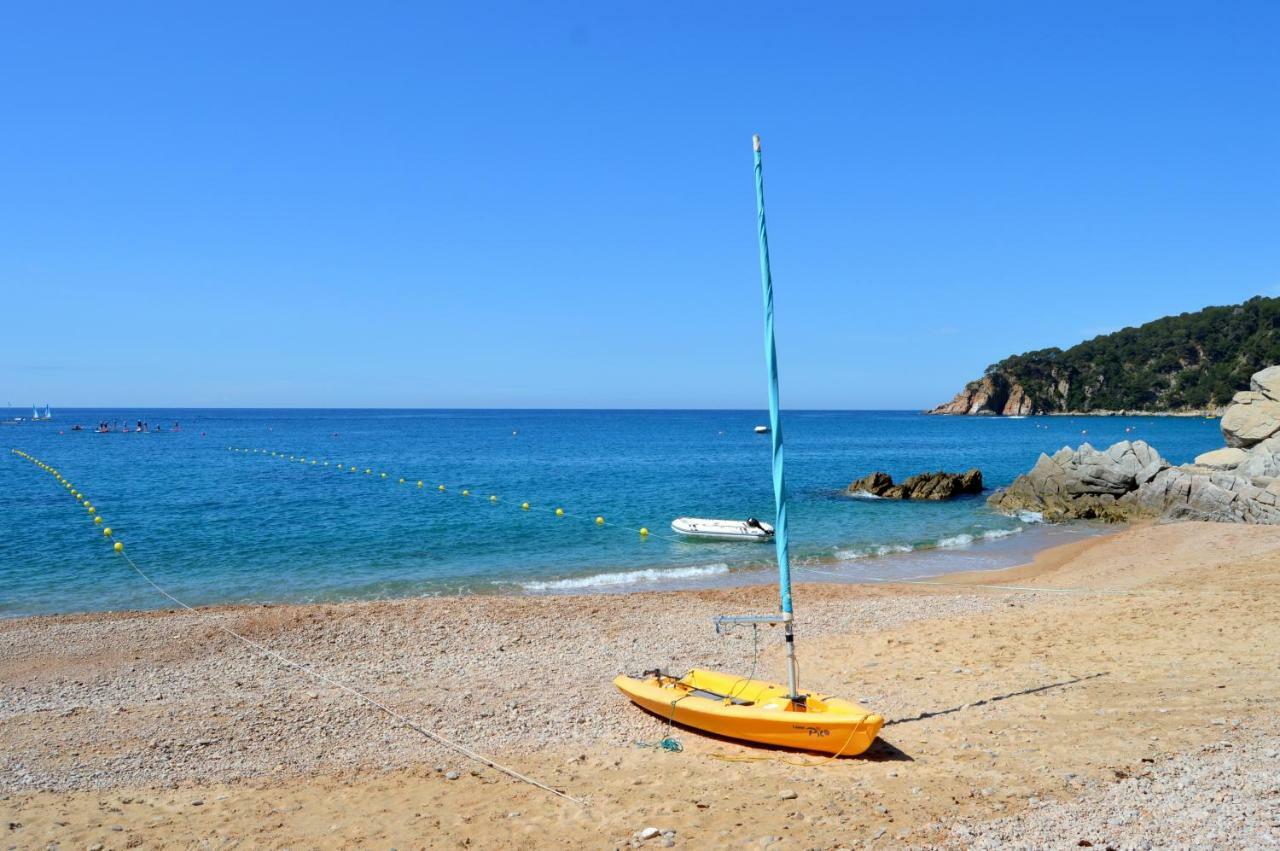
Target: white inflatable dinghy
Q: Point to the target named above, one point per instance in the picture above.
(750, 529)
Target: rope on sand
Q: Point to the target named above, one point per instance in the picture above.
(118, 548)
(311, 672)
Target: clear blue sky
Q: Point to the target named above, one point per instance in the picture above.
(551, 205)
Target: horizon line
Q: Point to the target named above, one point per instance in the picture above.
(448, 408)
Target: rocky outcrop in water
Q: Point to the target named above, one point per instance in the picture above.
(1238, 484)
(936, 486)
(991, 395)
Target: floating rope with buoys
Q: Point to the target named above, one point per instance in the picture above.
(644, 532)
(468, 491)
(117, 547)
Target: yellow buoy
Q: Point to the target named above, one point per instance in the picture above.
(91, 509)
(106, 533)
(492, 498)
(119, 547)
(525, 506)
(559, 512)
(644, 533)
(402, 481)
(466, 493)
(419, 482)
(599, 521)
(98, 519)
(440, 488)
(384, 475)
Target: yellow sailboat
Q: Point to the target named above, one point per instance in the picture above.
(739, 707)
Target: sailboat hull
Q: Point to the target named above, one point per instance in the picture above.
(755, 711)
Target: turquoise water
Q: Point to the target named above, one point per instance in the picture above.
(220, 526)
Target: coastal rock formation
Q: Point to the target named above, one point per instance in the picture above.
(1083, 483)
(1254, 414)
(991, 395)
(1188, 493)
(1221, 459)
(1239, 484)
(936, 486)
(1194, 362)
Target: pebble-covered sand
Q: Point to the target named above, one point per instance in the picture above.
(1223, 794)
(161, 698)
(1131, 701)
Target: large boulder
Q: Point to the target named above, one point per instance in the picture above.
(934, 486)
(1251, 417)
(1182, 493)
(876, 484)
(1267, 382)
(1262, 460)
(1083, 483)
(1222, 459)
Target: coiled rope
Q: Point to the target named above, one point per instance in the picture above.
(457, 747)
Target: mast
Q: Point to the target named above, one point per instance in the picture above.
(775, 427)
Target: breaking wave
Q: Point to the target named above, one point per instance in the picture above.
(880, 550)
(955, 541)
(631, 577)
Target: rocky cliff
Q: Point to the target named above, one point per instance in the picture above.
(1239, 484)
(992, 395)
(1187, 363)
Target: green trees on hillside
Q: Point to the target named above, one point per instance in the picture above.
(1194, 360)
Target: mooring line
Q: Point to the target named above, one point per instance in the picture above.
(118, 548)
(986, 700)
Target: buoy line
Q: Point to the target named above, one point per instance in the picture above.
(118, 548)
(466, 491)
(643, 531)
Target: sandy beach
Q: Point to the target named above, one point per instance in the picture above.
(1128, 702)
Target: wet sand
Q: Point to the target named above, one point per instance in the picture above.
(1016, 716)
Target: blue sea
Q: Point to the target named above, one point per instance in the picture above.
(216, 521)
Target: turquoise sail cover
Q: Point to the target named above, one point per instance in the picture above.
(775, 423)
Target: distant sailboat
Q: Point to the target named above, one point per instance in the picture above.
(48, 414)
